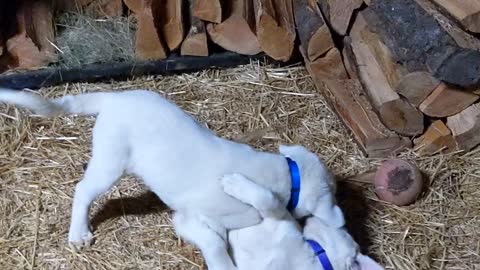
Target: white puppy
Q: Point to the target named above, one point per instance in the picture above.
(141, 133)
(277, 242)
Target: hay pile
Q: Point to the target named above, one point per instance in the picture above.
(84, 40)
(41, 160)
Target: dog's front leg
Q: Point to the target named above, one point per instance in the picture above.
(210, 241)
(249, 192)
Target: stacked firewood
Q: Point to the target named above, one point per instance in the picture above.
(399, 73)
(412, 72)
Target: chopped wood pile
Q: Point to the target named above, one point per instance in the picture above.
(399, 73)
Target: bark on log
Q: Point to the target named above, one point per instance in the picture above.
(466, 12)
(275, 27)
(438, 138)
(208, 10)
(417, 40)
(465, 127)
(148, 43)
(236, 33)
(170, 15)
(339, 13)
(416, 86)
(446, 101)
(312, 30)
(379, 74)
(195, 43)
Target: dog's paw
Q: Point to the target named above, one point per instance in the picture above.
(232, 183)
(80, 240)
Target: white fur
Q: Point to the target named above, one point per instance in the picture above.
(277, 242)
(141, 133)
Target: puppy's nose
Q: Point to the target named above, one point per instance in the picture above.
(85, 166)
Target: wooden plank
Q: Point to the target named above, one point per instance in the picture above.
(196, 42)
(437, 139)
(313, 32)
(465, 127)
(466, 12)
(275, 27)
(236, 32)
(339, 13)
(446, 101)
(208, 10)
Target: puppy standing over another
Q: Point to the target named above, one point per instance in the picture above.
(277, 242)
(141, 133)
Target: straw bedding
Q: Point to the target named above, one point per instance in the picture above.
(41, 160)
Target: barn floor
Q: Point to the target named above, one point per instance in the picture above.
(41, 160)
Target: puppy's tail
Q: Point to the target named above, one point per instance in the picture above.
(83, 104)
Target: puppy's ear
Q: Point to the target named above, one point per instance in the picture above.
(363, 262)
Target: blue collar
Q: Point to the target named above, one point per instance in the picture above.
(321, 254)
(295, 178)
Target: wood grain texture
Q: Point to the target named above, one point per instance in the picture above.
(446, 100)
(466, 12)
(465, 127)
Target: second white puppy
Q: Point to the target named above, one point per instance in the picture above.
(277, 242)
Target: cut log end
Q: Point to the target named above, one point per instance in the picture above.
(447, 100)
(416, 86)
(437, 139)
(399, 116)
(275, 41)
(234, 34)
(208, 10)
(465, 126)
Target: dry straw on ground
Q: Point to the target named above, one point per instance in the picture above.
(41, 160)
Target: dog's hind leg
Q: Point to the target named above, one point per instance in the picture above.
(108, 162)
(249, 192)
(212, 245)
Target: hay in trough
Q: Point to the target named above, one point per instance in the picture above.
(41, 160)
(83, 39)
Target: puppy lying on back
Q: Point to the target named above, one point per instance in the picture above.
(141, 133)
(277, 242)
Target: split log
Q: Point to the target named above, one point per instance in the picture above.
(134, 5)
(339, 13)
(148, 43)
(275, 27)
(416, 86)
(421, 43)
(170, 15)
(379, 74)
(312, 30)
(447, 100)
(345, 95)
(208, 10)
(195, 43)
(466, 12)
(236, 32)
(465, 127)
(106, 8)
(438, 138)
(31, 46)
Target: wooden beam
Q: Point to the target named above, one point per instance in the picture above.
(275, 27)
(313, 32)
(339, 13)
(196, 42)
(148, 43)
(429, 46)
(446, 101)
(379, 74)
(416, 86)
(208, 10)
(466, 12)
(465, 127)
(236, 32)
(438, 138)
